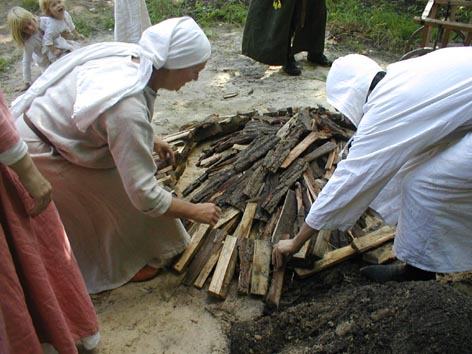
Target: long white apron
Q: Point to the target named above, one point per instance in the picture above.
(111, 239)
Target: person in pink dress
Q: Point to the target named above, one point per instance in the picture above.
(44, 305)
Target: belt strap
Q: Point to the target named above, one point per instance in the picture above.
(40, 135)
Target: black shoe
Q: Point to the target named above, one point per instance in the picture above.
(291, 67)
(396, 272)
(319, 59)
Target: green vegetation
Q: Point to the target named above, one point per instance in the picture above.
(30, 5)
(382, 24)
(6, 63)
(385, 24)
(205, 12)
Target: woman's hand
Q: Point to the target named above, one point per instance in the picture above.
(164, 151)
(207, 213)
(282, 251)
(35, 184)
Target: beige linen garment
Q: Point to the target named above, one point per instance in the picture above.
(104, 185)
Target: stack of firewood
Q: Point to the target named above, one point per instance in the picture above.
(264, 171)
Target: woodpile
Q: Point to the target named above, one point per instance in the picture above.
(264, 171)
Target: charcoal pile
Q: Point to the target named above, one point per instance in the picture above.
(265, 171)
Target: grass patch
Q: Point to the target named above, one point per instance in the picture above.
(206, 13)
(384, 25)
(5, 64)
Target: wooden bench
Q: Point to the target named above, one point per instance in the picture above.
(442, 15)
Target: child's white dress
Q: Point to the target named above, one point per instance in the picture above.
(53, 36)
(33, 51)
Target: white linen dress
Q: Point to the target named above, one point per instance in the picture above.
(52, 35)
(33, 52)
(410, 161)
(104, 185)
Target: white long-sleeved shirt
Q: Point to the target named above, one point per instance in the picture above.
(420, 104)
(121, 137)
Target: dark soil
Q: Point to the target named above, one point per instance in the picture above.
(337, 311)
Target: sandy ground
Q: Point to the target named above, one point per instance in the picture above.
(163, 316)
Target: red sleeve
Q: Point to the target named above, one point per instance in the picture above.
(8, 133)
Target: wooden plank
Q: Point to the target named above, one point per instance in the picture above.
(192, 248)
(225, 268)
(380, 255)
(303, 253)
(246, 255)
(359, 245)
(244, 227)
(261, 267)
(276, 285)
(212, 243)
(301, 147)
(322, 150)
(287, 216)
(226, 216)
(207, 268)
(311, 184)
(374, 239)
(322, 243)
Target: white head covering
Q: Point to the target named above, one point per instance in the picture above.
(107, 74)
(348, 83)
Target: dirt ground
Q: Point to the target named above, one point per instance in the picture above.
(335, 311)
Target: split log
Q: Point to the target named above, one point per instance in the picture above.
(261, 267)
(311, 184)
(286, 180)
(255, 182)
(246, 255)
(302, 146)
(244, 226)
(227, 215)
(359, 245)
(224, 272)
(245, 248)
(322, 150)
(287, 217)
(302, 255)
(289, 136)
(322, 243)
(380, 255)
(276, 285)
(212, 244)
(299, 121)
(212, 185)
(207, 268)
(195, 243)
(335, 128)
(257, 149)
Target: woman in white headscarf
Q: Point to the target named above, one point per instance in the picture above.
(88, 127)
(409, 160)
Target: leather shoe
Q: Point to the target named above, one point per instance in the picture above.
(396, 272)
(319, 59)
(291, 67)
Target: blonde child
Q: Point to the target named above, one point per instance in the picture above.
(27, 32)
(60, 31)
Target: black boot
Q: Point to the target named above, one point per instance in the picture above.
(319, 59)
(396, 272)
(291, 67)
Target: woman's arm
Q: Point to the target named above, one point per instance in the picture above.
(34, 182)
